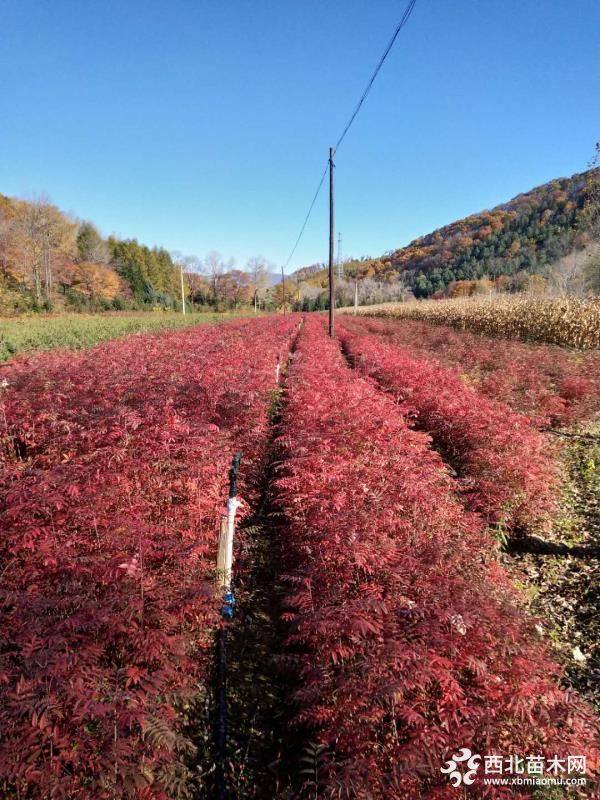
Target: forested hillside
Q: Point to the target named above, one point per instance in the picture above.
(521, 244)
(525, 235)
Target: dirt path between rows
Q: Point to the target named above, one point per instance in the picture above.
(262, 751)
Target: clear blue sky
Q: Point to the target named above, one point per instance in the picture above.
(198, 125)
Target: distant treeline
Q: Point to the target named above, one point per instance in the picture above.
(51, 261)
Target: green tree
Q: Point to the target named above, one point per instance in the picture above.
(91, 247)
(150, 273)
(129, 262)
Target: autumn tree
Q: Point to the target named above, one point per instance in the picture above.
(373, 290)
(190, 267)
(45, 237)
(460, 289)
(236, 288)
(8, 226)
(258, 269)
(199, 288)
(191, 264)
(215, 267)
(501, 284)
(286, 294)
(310, 296)
(196, 285)
(483, 286)
(95, 282)
(535, 284)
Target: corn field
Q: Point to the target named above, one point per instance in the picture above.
(567, 321)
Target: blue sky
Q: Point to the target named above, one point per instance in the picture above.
(205, 125)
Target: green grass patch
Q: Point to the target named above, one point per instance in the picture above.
(46, 332)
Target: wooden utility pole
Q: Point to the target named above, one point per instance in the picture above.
(283, 288)
(355, 296)
(331, 235)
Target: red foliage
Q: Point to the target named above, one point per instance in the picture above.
(506, 470)
(551, 384)
(402, 628)
(114, 477)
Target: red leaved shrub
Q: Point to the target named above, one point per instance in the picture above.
(506, 469)
(403, 631)
(552, 385)
(115, 469)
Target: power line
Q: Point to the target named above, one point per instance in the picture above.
(407, 12)
(405, 17)
(304, 224)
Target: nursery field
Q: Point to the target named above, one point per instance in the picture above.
(415, 563)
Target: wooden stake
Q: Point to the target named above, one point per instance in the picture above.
(223, 569)
(227, 529)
